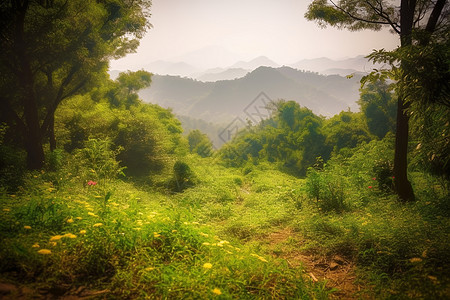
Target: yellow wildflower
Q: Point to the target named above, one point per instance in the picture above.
(206, 244)
(53, 244)
(216, 291)
(149, 269)
(207, 265)
(98, 224)
(174, 230)
(415, 259)
(6, 209)
(79, 218)
(156, 235)
(204, 234)
(82, 231)
(35, 245)
(56, 237)
(70, 235)
(27, 227)
(92, 214)
(259, 257)
(45, 251)
(70, 220)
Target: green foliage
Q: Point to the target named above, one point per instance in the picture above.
(292, 138)
(345, 130)
(199, 143)
(379, 106)
(147, 135)
(328, 189)
(123, 91)
(183, 177)
(97, 161)
(57, 49)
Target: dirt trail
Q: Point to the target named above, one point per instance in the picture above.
(337, 271)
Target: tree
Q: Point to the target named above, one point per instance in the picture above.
(200, 143)
(417, 22)
(52, 50)
(377, 102)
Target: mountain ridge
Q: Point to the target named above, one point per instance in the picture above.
(223, 100)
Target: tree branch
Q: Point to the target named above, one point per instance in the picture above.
(394, 26)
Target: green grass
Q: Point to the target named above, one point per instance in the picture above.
(217, 237)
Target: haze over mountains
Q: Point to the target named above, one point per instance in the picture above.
(224, 100)
(220, 95)
(325, 66)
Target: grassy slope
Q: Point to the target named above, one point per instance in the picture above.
(238, 233)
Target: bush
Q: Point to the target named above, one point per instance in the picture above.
(183, 177)
(327, 189)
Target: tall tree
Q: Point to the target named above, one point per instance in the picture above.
(417, 22)
(52, 50)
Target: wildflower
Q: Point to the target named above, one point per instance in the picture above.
(53, 244)
(91, 183)
(203, 234)
(83, 231)
(79, 218)
(98, 224)
(56, 238)
(149, 269)
(156, 235)
(217, 291)
(70, 220)
(374, 178)
(174, 230)
(27, 227)
(259, 257)
(45, 251)
(207, 265)
(92, 214)
(35, 245)
(6, 209)
(415, 259)
(70, 235)
(370, 186)
(206, 244)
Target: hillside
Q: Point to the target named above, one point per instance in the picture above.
(224, 100)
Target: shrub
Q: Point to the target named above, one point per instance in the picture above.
(183, 177)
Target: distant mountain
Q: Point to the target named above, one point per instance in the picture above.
(224, 74)
(222, 101)
(324, 65)
(260, 61)
(170, 68)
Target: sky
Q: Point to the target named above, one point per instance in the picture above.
(217, 33)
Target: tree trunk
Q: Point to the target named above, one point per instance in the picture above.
(51, 133)
(33, 137)
(401, 183)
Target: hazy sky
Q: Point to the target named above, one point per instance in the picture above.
(244, 29)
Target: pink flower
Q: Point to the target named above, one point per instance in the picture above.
(90, 182)
(370, 186)
(374, 178)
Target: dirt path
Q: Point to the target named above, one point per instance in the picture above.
(337, 271)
